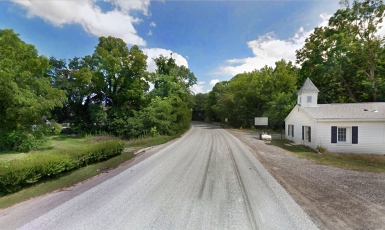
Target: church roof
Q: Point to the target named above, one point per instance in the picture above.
(366, 110)
(308, 87)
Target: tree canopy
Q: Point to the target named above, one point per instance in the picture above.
(26, 93)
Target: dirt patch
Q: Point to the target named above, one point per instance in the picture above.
(334, 198)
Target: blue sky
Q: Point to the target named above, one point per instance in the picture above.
(215, 39)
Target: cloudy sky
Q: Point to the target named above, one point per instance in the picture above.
(214, 39)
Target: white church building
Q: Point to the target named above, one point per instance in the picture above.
(340, 127)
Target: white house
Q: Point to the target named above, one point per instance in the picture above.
(340, 127)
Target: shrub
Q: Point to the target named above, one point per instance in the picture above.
(320, 149)
(17, 174)
(154, 132)
(56, 127)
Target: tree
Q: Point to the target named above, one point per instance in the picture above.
(344, 59)
(264, 92)
(26, 94)
(172, 83)
(200, 101)
(119, 76)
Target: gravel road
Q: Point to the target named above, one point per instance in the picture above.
(334, 198)
(208, 179)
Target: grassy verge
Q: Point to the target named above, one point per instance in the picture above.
(149, 141)
(359, 162)
(71, 178)
(64, 181)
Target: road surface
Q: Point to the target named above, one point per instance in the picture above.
(206, 180)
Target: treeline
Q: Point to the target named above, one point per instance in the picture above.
(345, 60)
(107, 91)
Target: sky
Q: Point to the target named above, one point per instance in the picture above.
(215, 39)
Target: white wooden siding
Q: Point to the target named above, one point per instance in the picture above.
(370, 137)
(299, 118)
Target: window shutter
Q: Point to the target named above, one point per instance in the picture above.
(355, 135)
(303, 133)
(292, 130)
(288, 130)
(334, 134)
(309, 134)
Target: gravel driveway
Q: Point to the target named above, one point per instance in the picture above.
(334, 198)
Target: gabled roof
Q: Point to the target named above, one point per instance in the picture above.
(308, 87)
(347, 111)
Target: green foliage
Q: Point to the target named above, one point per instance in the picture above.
(56, 127)
(29, 142)
(279, 108)
(25, 92)
(261, 92)
(17, 174)
(105, 91)
(21, 140)
(127, 127)
(159, 113)
(154, 132)
(345, 59)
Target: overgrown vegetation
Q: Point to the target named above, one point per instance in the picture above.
(360, 162)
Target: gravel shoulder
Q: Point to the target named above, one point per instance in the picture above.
(334, 198)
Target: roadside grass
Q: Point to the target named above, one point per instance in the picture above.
(73, 177)
(53, 143)
(255, 130)
(359, 162)
(7, 156)
(66, 180)
(149, 141)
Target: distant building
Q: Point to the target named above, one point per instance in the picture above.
(340, 127)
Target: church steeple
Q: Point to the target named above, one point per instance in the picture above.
(308, 94)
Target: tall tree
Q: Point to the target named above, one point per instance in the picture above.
(172, 83)
(119, 75)
(26, 94)
(347, 54)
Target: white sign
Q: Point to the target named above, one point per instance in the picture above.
(226, 119)
(261, 121)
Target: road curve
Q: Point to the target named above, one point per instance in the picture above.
(206, 180)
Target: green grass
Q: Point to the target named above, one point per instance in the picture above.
(149, 141)
(53, 143)
(70, 178)
(7, 156)
(359, 162)
(64, 181)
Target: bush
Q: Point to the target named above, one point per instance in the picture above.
(321, 149)
(17, 174)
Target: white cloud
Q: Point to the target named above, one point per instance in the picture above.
(198, 88)
(381, 31)
(213, 82)
(153, 24)
(149, 33)
(267, 50)
(156, 52)
(127, 6)
(116, 22)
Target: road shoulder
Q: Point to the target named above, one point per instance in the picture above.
(334, 198)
